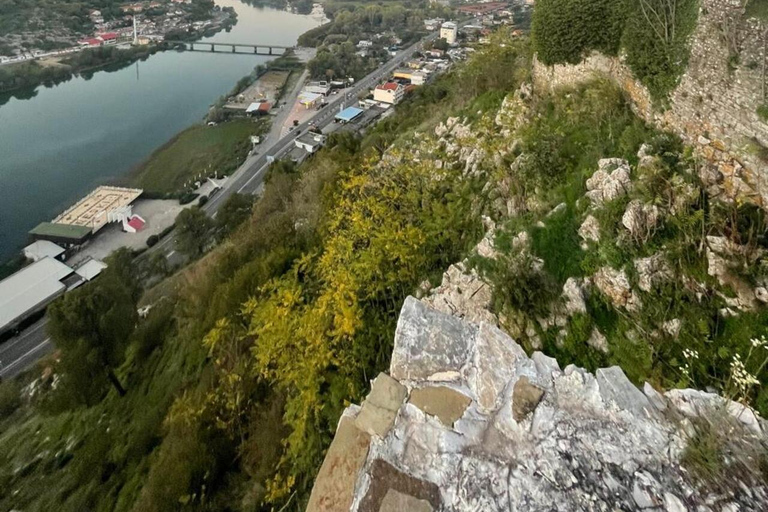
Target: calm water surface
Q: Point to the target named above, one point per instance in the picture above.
(57, 146)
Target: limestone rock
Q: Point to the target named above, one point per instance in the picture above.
(395, 501)
(614, 284)
(441, 401)
(640, 219)
(598, 341)
(378, 411)
(464, 294)
(610, 181)
(573, 294)
(335, 483)
(652, 270)
(590, 229)
(492, 365)
(525, 398)
(761, 294)
(428, 342)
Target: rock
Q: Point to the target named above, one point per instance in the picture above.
(610, 181)
(573, 294)
(598, 341)
(640, 219)
(616, 388)
(378, 411)
(761, 294)
(615, 285)
(445, 403)
(651, 271)
(335, 482)
(525, 398)
(463, 294)
(395, 501)
(590, 229)
(673, 504)
(486, 247)
(428, 342)
(493, 365)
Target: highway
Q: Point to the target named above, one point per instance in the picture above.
(22, 351)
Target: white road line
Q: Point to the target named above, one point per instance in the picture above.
(5, 347)
(171, 254)
(21, 359)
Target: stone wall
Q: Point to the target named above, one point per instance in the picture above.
(715, 106)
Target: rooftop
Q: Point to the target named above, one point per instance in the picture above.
(349, 114)
(30, 289)
(389, 86)
(90, 269)
(41, 249)
(92, 209)
(61, 230)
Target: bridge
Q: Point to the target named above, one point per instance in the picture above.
(236, 48)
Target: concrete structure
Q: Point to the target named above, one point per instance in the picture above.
(390, 93)
(318, 88)
(40, 249)
(449, 31)
(310, 141)
(103, 205)
(31, 289)
(90, 269)
(310, 99)
(348, 114)
(62, 234)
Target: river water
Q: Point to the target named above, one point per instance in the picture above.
(57, 146)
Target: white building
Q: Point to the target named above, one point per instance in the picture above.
(390, 93)
(40, 249)
(310, 141)
(318, 88)
(449, 31)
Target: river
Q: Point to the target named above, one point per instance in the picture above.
(58, 145)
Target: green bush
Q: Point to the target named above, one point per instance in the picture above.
(10, 398)
(762, 111)
(152, 240)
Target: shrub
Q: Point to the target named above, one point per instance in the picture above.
(10, 398)
(202, 200)
(762, 111)
(152, 240)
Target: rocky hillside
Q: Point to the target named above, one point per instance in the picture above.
(465, 420)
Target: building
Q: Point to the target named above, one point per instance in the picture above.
(90, 269)
(364, 43)
(432, 24)
(104, 205)
(484, 8)
(310, 99)
(61, 234)
(318, 88)
(258, 108)
(348, 114)
(31, 289)
(390, 93)
(40, 249)
(134, 224)
(449, 31)
(310, 141)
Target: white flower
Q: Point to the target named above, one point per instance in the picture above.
(759, 342)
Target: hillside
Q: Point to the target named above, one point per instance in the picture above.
(550, 214)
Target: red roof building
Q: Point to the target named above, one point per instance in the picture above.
(108, 36)
(135, 224)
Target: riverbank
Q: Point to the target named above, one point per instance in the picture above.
(194, 154)
(21, 80)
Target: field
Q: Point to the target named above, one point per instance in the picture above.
(198, 151)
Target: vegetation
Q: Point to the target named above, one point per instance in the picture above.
(193, 231)
(653, 33)
(195, 154)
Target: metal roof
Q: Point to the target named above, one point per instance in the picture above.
(349, 114)
(91, 269)
(61, 230)
(42, 248)
(30, 289)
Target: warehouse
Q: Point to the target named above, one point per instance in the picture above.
(348, 114)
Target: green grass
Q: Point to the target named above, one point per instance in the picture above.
(197, 151)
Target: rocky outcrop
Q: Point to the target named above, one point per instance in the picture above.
(479, 425)
(610, 181)
(614, 284)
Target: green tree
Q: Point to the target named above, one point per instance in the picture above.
(193, 231)
(233, 212)
(91, 326)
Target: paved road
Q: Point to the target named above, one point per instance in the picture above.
(22, 351)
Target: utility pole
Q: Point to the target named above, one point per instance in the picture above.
(135, 32)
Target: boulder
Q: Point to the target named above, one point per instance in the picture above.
(447, 404)
(651, 271)
(590, 229)
(573, 294)
(610, 181)
(614, 284)
(378, 411)
(597, 341)
(640, 219)
(525, 398)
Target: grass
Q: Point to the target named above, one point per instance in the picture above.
(198, 151)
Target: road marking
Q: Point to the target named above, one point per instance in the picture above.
(171, 254)
(21, 358)
(23, 335)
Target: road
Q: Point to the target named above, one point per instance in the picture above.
(22, 351)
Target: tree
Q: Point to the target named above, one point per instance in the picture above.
(91, 326)
(193, 231)
(441, 44)
(233, 212)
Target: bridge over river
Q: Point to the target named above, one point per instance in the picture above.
(236, 48)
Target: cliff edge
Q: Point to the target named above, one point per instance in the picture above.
(465, 420)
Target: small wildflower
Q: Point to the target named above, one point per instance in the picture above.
(690, 354)
(759, 342)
